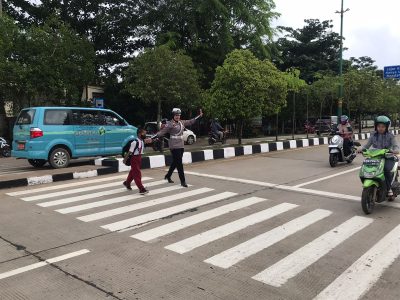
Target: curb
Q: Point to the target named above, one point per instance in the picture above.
(158, 161)
(36, 180)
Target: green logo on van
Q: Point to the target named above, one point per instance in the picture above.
(102, 131)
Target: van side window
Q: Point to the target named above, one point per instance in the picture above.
(110, 119)
(56, 117)
(86, 117)
(26, 117)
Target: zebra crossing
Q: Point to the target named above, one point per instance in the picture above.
(105, 202)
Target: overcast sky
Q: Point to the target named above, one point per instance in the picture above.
(371, 27)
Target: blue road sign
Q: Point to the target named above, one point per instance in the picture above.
(98, 102)
(391, 72)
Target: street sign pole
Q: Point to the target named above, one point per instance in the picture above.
(341, 92)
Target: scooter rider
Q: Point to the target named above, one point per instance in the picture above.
(346, 131)
(175, 128)
(217, 129)
(383, 139)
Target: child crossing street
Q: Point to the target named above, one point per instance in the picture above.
(135, 156)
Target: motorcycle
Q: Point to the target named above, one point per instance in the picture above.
(5, 149)
(214, 138)
(337, 153)
(157, 144)
(373, 179)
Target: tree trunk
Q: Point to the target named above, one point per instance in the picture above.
(277, 126)
(359, 123)
(159, 114)
(240, 132)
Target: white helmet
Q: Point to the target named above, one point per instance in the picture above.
(176, 111)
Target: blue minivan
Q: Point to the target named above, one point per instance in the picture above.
(57, 134)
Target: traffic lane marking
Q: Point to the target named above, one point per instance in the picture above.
(42, 263)
(296, 262)
(236, 254)
(224, 230)
(74, 184)
(361, 276)
(326, 177)
(290, 188)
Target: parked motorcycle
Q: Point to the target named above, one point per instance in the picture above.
(337, 153)
(373, 179)
(5, 149)
(214, 138)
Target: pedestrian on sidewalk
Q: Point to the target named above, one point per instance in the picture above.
(134, 155)
(175, 128)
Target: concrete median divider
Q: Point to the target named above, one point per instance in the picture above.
(158, 161)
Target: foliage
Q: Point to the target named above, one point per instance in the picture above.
(207, 30)
(163, 76)
(246, 87)
(311, 49)
(43, 63)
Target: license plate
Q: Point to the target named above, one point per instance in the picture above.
(371, 162)
(21, 146)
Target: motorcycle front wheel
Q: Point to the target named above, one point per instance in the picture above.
(368, 199)
(333, 159)
(210, 142)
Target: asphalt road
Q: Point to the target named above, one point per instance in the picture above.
(273, 226)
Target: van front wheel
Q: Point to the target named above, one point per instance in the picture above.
(37, 163)
(59, 158)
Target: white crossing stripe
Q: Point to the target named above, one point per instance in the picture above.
(42, 263)
(66, 185)
(287, 268)
(137, 206)
(166, 212)
(355, 282)
(211, 235)
(94, 195)
(74, 191)
(189, 221)
(90, 205)
(240, 252)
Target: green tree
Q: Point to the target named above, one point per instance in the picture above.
(363, 93)
(163, 76)
(311, 49)
(246, 87)
(295, 85)
(209, 29)
(323, 94)
(43, 63)
(113, 27)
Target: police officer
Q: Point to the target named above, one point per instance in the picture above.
(175, 128)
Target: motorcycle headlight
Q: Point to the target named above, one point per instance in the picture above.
(335, 139)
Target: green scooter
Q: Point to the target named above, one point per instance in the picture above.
(373, 179)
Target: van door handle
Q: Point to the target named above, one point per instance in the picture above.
(108, 130)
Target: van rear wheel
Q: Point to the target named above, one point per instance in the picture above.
(37, 163)
(59, 158)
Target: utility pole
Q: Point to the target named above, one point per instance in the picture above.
(341, 88)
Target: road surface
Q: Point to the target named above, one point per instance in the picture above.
(271, 226)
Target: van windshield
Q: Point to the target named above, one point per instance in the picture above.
(26, 117)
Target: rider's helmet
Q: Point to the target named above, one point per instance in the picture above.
(344, 119)
(176, 111)
(382, 120)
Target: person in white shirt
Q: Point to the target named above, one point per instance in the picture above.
(135, 155)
